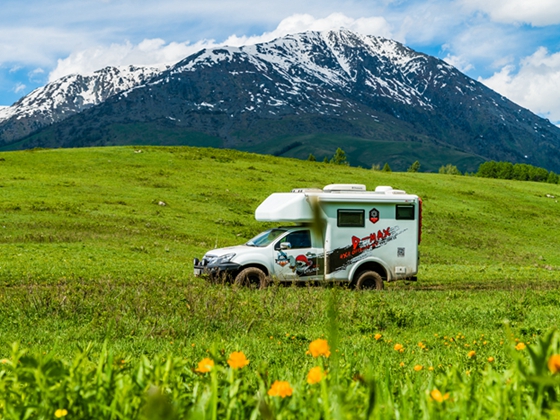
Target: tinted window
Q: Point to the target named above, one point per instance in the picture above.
(405, 212)
(350, 218)
(299, 239)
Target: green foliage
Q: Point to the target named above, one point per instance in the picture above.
(311, 158)
(339, 157)
(449, 169)
(386, 168)
(415, 167)
(519, 171)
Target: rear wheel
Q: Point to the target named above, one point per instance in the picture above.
(369, 280)
(251, 277)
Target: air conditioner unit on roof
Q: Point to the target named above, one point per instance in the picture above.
(345, 187)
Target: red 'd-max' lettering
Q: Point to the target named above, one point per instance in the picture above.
(373, 238)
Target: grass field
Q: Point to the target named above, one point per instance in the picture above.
(96, 286)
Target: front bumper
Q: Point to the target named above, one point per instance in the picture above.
(202, 268)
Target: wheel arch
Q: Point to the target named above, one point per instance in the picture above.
(369, 266)
(261, 267)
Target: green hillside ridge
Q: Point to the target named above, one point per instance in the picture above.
(400, 146)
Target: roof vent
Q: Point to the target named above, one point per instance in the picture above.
(345, 187)
(383, 189)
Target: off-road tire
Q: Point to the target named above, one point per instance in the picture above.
(369, 280)
(251, 277)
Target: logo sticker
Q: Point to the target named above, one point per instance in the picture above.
(374, 215)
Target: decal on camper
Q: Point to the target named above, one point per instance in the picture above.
(360, 248)
(374, 215)
(302, 265)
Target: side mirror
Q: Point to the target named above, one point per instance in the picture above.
(285, 245)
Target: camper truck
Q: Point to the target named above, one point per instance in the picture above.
(341, 233)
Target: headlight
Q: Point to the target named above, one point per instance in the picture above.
(219, 260)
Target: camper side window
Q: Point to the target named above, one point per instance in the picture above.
(299, 239)
(350, 218)
(405, 212)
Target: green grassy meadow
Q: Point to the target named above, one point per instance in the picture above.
(96, 289)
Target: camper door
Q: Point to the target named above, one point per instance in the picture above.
(295, 257)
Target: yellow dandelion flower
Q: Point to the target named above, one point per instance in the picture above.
(398, 347)
(280, 389)
(377, 336)
(61, 412)
(468, 372)
(491, 359)
(319, 347)
(315, 375)
(431, 368)
(237, 360)
(520, 346)
(418, 368)
(437, 395)
(401, 364)
(205, 365)
(471, 354)
(554, 363)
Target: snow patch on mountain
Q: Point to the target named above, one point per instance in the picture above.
(74, 93)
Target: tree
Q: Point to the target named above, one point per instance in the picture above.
(488, 169)
(311, 158)
(339, 157)
(386, 168)
(415, 167)
(326, 160)
(449, 169)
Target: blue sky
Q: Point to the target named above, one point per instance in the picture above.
(513, 46)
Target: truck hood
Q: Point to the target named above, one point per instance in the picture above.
(238, 249)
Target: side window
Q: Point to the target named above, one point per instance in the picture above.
(299, 239)
(350, 218)
(405, 212)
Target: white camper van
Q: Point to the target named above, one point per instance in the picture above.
(341, 233)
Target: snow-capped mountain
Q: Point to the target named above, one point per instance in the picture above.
(303, 93)
(67, 96)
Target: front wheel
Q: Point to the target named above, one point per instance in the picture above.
(251, 277)
(369, 280)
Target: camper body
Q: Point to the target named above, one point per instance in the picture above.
(342, 233)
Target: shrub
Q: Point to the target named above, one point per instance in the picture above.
(449, 169)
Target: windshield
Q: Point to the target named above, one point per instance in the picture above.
(266, 238)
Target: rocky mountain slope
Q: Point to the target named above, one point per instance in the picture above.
(67, 96)
(310, 93)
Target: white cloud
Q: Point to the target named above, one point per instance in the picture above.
(157, 53)
(534, 12)
(150, 52)
(459, 62)
(20, 87)
(536, 85)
